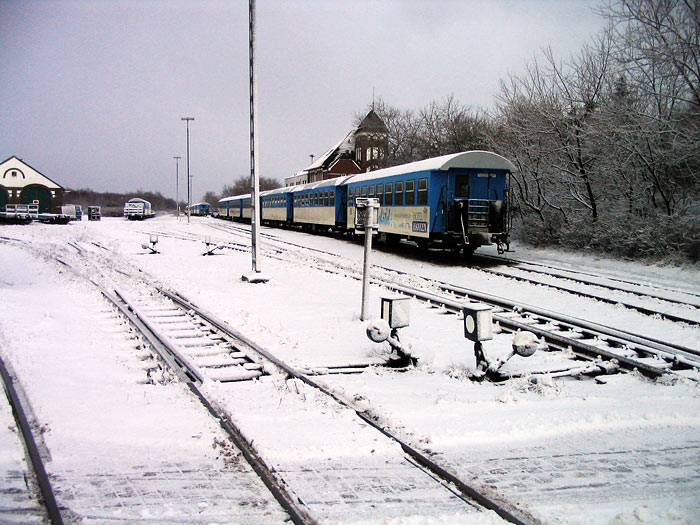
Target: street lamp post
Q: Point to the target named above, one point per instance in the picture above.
(187, 122)
(177, 187)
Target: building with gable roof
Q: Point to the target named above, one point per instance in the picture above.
(22, 184)
(363, 149)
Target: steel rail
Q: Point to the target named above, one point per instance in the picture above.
(47, 493)
(515, 262)
(492, 502)
(602, 298)
(623, 335)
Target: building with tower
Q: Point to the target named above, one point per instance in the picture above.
(363, 149)
(371, 143)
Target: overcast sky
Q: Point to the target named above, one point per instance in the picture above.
(92, 92)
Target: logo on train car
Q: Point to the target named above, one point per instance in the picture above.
(384, 216)
(419, 227)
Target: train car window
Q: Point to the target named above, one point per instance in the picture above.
(422, 192)
(388, 194)
(399, 194)
(332, 196)
(380, 193)
(364, 191)
(370, 192)
(410, 198)
(325, 198)
(351, 196)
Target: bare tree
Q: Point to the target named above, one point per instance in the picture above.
(241, 186)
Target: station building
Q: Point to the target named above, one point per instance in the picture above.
(363, 149)
(22, 184)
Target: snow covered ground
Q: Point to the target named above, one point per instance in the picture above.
(125, 448)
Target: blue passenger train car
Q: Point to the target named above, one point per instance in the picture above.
(457, 202)
(236, 208)
(276, 207)
(320, 204)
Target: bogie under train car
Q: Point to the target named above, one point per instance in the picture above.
(457, 202)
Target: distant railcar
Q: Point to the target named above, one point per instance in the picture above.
(201, 209)
(138, 209)
(457, 202)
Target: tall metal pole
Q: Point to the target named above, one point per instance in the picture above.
(187, 123)
(254, 171)
(177, 187)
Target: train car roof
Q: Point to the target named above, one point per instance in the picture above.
(135, 199)
(276, 191)
(235, 198)
(337, 181)
(466, 159)
(202, 204)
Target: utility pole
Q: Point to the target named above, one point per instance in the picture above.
(187, 122)
(255, 275)
(177, 187)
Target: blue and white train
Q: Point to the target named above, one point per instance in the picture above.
(457, 202)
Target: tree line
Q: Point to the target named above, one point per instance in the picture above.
(606, 142)
(112, 204)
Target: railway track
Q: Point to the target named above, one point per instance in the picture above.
(594, 279)
(588, 341)
(443, 300)
(566, 282)
(239, 344)
(569, 281)
(33, 456)
(189, 350)
(200, 349)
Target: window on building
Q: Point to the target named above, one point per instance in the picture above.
(388, 194)
(375, 153)
(422, 192)
(399, 194)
